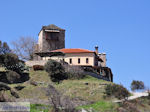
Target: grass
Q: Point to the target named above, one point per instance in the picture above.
(39, 108)
(88, 89)
(31, 91)
(73, 88)
(101, 106)
(94, 91)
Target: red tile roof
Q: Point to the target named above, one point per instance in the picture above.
(73, 51)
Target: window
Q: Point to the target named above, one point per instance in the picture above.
(78, 60)
(52, 36)
(70, 61)
(87, 60)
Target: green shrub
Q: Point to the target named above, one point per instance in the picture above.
(38, 67)
(117, 91)
(19, 67)
(12, 77)
(11, 62)
(55, 70)
(137, 85)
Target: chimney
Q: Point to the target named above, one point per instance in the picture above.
(96, 49)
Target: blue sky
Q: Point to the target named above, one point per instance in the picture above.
(121, 28)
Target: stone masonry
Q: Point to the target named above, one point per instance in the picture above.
(51, 38)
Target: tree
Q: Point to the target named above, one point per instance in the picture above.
(10, 60)
(137, 85)
(55, 70)
(4, 48)
(117, 91)
(24, 47)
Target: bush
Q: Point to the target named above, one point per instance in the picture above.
(11, 62)
(19, 67)
(55, 70)
(12, 77)
(117, 91)
(137, 85)
(38, 67)
(74, 72)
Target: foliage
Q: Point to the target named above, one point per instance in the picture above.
(137, 85)
(55, 70)
(38, 67)
(117, 91)
(74, 72)
(24, 47)
(11, 62)
(4, 48)
(12, 77)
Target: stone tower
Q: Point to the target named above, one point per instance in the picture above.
(50, 38)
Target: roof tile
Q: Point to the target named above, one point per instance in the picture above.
(73, 51)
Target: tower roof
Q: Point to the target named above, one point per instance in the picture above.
(52, 27)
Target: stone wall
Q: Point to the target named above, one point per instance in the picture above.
(48, 45)
(31, 63)
(103, 57)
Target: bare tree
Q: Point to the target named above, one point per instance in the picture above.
(24, 47)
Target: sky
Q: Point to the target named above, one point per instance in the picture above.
(121, 29)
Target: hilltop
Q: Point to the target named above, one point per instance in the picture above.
(85, 93)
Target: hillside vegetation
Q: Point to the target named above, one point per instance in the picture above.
(87, 93)
(89, 88)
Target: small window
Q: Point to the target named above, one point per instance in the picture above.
(78, 60)
(70, 61)
(87, 60)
